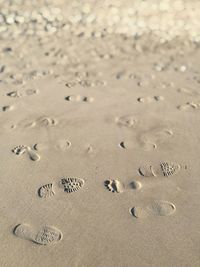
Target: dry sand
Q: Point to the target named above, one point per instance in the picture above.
(99, 146)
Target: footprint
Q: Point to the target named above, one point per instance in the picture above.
(13, 126)
(115, 186)
(87, 99)
(30, 92)
(189, 106)
(78, 98)
(70, 84)
(121, 74)
(92, 83)
(152, 138)
(46, 191)
(6, 108)
(46, 235)
(163, 134)
(145, 145)
(33, 155)
(89, 149)
(72, 184)
(86, 83)
(156, 208)
(145, 99)
(14, 94)
(40, 146)
(19, 150)
(148, 146)
(127, 121)
(46, 121)
(39, 122)
(163, 169)
(69, 185)
(158, 98)
(63, 144)
(150, 99)
(123, 145)
(187, 91)
(22, 149)
(74, 98)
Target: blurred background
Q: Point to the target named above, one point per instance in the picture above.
(163, 19)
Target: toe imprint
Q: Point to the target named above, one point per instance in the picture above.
(19, 150)
(114, 186)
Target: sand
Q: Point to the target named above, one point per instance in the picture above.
(99, 149)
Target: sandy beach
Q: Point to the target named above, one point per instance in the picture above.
(99, 137)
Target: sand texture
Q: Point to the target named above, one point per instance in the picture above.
(99, 136)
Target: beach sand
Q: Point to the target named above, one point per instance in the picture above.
(100, 148)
